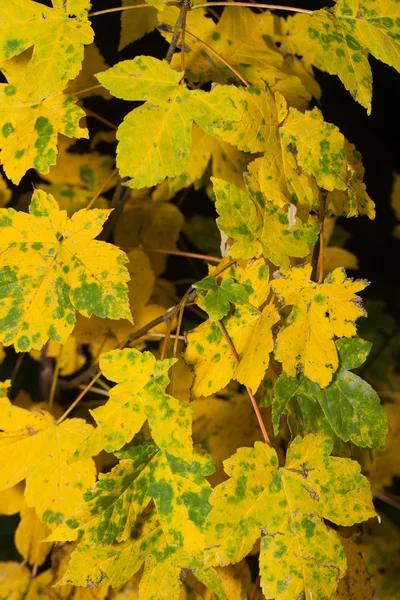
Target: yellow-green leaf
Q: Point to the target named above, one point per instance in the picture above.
(169, 107)
(51, 266)
(300, 555)
(138, 396)
(29, 537)
(14, 580)
(320, 312)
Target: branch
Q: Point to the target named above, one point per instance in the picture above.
(117, 9)
(252, 5)
(178, 28)
(119, 199)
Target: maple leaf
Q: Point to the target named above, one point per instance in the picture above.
(320, 312)
(57, 35)
(93, 62)
(72, 198)
(357, 581)
(350, 405)
(5, 193)
(51, 266)
(35, 448)
(29, 126)
(238, 38)
(29, 537)
(169, 106)
(145, 473)
(338, 41)
(250, 331)
(138, 396)
(12, 500)
(258, 226)
(14, 580)
(217, 301)
(299, 553)
(136, 23)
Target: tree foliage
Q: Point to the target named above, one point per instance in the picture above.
(221, 423)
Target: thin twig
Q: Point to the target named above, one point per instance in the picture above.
(17, 366)
(79, 398)
(221, 58)
(388, 499)
(91, 113)
(119, 199)
(117, 9)
(250, 393)
(101, 188)
(255, 589)
(181, 253)
(251, 5)
(177, 30)
(322, 203)
(183, 31)
(85, 90)
(55, 378)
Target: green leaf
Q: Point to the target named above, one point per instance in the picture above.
(258, 227)
(217, 301)
(350, 405)
(161, 129)
(300, 556)
(138, 396)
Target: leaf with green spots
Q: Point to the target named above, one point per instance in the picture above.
(57, 34)
(320, 147)
(321, 312)
(50, 266)
(139, 396)
(217, 299)
(354, 200)
(29, 127)
(350, 405)
(72, 198)
(258, 227)
(300, 557)
(179, 490)
(249, 328)
(35, 448)
(338, 41)
(169, 107)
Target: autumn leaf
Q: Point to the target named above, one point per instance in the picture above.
(338, 41)
(136, 23)
(51, 266)
(350, 405)
(320, 312)
(72, 198)
(168, 105)
(29, 537)
(248, 327)
(14, 580)
(138, 396)
(29, 126)
(35, 448)
(357, 581)
(5, 192)
(259, 227)
(93, 62)
(57, 35)
(299, 553)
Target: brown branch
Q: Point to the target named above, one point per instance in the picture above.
(117, 9)
(250, 393)
(178, 29)
(181, 253)
(252, 5)
(101, 188)
(91, 113)
(119, 199)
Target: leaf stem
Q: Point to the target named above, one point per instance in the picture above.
(79, 398)
(117, 9)
(255, 589)
(322, 203)
(252, 5)
(101, 188)
(55, 378)
(85, 90)
(221, 58)
(120, 197)
(91, 113)
(185, 5)
(250, 393)
(182, 253)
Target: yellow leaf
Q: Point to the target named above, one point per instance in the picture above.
(136, 23)
(168, 106)
(12, 500)
(320, 312)
(385, 464)
(29, 127)
(356, 584)
(138, 396)
(93, 63)
(60, 268)
(72, 198)
(151, 224)
(300, 555)
(14, 580)
(88, 171)
(29, 537)
(32, 446)
(339, 257)
(250, 331)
